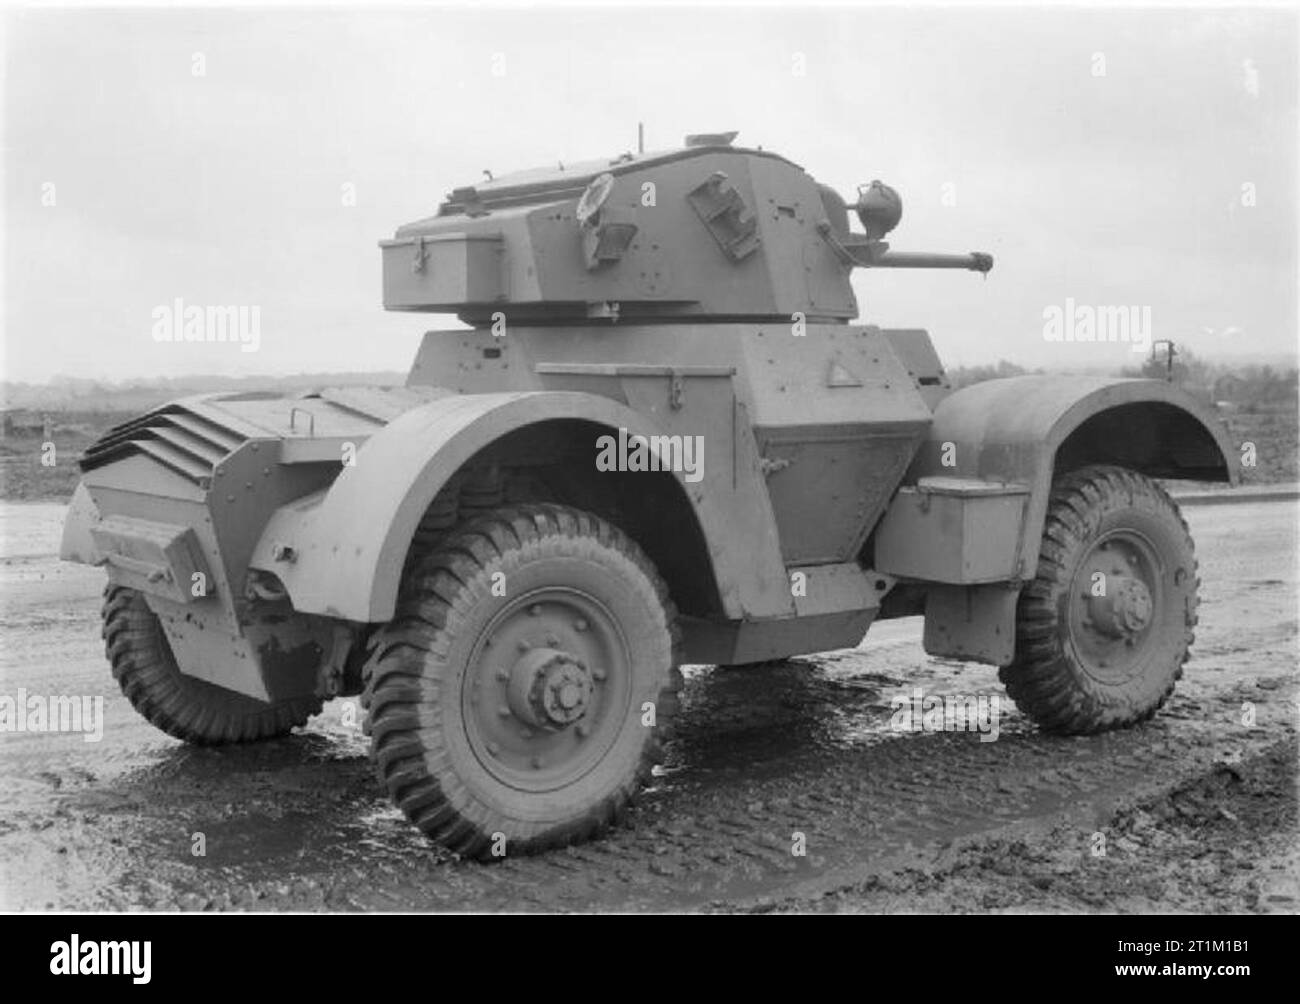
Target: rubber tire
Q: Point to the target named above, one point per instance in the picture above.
(184, 706)
(1045, 680)
(413, 693)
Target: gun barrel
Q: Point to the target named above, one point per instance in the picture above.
(976, 261)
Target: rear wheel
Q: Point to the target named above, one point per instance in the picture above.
(518, 698)
(184, 706)
(1104, 629)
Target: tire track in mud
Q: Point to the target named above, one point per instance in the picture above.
(1224, 841)
(303, 824)
(895, 803)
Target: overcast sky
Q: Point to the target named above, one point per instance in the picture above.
(1117, 189)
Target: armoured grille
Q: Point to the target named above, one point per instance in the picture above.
(174, 436)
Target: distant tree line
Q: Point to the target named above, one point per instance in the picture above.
(1246, 388)
(964, 376)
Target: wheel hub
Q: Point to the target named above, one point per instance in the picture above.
(1125, 610)
(549, 688)
(1119, 601)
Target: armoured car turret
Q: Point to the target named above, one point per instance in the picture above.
(705, 232)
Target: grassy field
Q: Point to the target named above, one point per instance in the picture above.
(1274, 434)
(25, 477)
(30, 470)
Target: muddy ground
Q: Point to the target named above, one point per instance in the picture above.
(1195, 811)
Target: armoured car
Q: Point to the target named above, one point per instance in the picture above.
(659, 438)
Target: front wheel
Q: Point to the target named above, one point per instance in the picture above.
(1104, 629)
(518, 698)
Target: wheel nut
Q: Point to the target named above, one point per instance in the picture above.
(534, 610)
(552, 641)
(582, 730)
(598, 674)
(580, 625)
(503, 711)
(536, 762)
(523, 645)
(493, 748)
(503, 675)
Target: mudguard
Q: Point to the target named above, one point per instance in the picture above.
(347, 545)
(1020, 429)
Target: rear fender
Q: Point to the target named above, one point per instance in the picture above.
(1028, 429)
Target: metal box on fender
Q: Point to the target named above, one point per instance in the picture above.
(954, 530)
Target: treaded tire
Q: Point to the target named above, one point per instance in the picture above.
(447, 645)
(184, 706)
(1066, 675)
